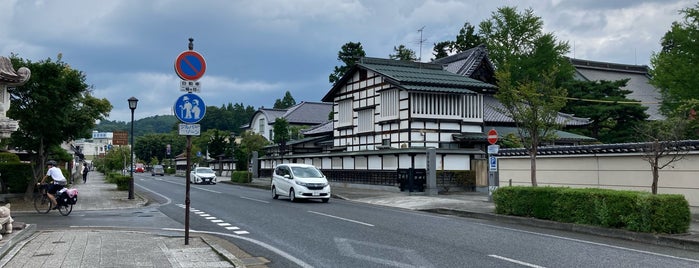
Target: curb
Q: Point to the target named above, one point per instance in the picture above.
(9, 241)
(656, 239)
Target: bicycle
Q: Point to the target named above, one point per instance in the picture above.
(42, 203)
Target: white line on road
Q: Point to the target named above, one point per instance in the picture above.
(515, 261)
(253, 199)
(165, 197)
(340, 218)
(260, 243)
(593, 243)
(204, 189)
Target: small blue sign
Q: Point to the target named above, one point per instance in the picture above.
(189, 108)
(493, 163)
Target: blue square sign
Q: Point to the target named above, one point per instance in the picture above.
(493, 163)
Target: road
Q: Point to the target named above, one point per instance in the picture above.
(352, 234)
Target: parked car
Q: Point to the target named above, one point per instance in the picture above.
(157, 170)
(202, 175)
(300, 181)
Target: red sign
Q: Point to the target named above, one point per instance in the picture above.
(492, 136)
(190, 65)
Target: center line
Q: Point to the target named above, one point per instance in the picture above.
(344, 219)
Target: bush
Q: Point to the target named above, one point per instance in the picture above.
(635, 211)
(122, 182)
(15, 176)
(241, 177)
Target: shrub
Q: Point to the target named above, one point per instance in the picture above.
(122, 182)
(635, 211)
(15, 176)
(241, 177)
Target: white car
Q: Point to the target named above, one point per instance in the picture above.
(202, 175)
(300, 181)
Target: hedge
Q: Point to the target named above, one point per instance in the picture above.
(241, 177)
(631, 210)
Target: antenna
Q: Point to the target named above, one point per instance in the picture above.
(419, 58)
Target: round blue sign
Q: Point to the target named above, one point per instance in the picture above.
(189, 108)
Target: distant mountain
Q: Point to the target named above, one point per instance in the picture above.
(148, 125)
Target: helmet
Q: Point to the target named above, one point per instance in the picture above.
(51, 162)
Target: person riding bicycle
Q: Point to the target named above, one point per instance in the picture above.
(59, 181)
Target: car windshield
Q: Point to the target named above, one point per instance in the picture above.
(306, 172)
(204, 170)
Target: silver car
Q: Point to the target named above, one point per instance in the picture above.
(202, 175)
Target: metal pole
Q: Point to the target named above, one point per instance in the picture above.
(186, 195)
(131, 171)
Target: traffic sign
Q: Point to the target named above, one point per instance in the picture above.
(492, 136)
(492, 163)
(190, 65)
(189, 108)
(190, 129)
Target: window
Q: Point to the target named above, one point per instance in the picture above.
(389, 104)
(261, 126)
(344, 113)
(365, 120)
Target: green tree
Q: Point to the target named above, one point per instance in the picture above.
(403, 53)
(466, 39)
(530, 69)
(441, 49)
(613, 117)
(674, 68)
(349, 54)
(281, 131)
(286, 102)
(664, 144)
(249, 143)
(155, 146)
(53, 107)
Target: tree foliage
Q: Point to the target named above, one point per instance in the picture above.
(664, 144)
(674, 68)
(249, 143)
(530, 69)
(349, 54)
(53, 107)
(613, 117)
(281, 131)
(465, 40)
(403, 53)
(286, 102)
(154, 145)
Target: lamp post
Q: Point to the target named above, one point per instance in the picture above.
(133, 101)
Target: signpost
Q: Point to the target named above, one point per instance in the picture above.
(189, 109)
(492, 163)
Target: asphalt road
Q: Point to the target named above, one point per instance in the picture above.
(352, 234)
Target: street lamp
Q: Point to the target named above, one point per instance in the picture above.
(133, 101)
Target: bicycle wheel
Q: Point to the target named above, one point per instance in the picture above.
(42, 203)
(65, 209)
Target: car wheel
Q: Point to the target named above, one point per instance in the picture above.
(325, 200)
(292, 195)
(274, 193)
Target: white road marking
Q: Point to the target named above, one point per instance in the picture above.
(210, 218)
(216, 221)
(224, 224)
(340, 218)
(593, 243)
(241, 232)
(253, 199)
(515, 261)
(204, 215)
(232, 228)
(279, 252)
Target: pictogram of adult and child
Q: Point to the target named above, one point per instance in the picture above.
(189, 108)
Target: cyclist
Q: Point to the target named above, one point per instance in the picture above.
(59, 181)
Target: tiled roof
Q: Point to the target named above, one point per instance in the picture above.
(561, 136)
(466, 62)
(492, 114)
(639, 81)
(415, 76)
(404, 73)
(677, 146)
(319, 129)
(308, 113)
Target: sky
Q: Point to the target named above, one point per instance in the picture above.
(257, 50)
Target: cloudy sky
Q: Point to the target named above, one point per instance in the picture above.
(257, 50)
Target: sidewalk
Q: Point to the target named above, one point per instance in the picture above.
(104, 247)
(95, 247)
